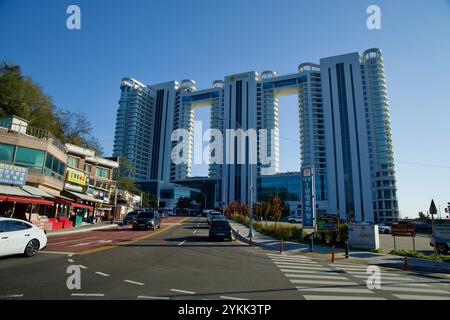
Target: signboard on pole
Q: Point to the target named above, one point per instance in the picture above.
(11, 174)
(328, 223)
(403, 230)
(308, 197)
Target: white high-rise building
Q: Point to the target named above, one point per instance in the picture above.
(344, 132)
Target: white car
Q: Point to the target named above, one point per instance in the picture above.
(294, 219)
(20, 237)
(385, 229)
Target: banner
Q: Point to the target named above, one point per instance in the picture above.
(10, 174)
(308, 197)
(76, 177)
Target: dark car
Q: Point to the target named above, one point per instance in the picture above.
(219, 228)
(129, 218)
(147, 220)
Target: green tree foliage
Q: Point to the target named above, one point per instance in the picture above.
(149, 200)
(21, 96)
(183, 203)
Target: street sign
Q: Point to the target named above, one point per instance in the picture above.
(403, 230)
(308, 197)
(328, 223)
(433, 209)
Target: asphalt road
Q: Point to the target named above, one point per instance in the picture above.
(179, 262)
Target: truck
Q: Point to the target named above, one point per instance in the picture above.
(441, 238)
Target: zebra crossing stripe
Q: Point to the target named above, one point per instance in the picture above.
(320, 297)
(419, 297)
(315, 276)
(319, 282)
(392, 288)
(296, 266)
(353, 266)
(308, 271)
(334, 289)
(297, 262)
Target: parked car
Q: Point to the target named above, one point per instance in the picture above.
(384, 228)
(294, 219)
(129, 218)
(442, 238)
(147, 220)
(220, 228)
(211, 214)
(20, 237)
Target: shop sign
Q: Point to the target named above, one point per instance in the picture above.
(76, 177)
(11, 174)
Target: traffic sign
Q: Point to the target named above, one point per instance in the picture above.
(403, 230)
(328, 223)
(433, 209)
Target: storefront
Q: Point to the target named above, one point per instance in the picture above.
(82, 207)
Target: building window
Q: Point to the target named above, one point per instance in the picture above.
(87, 168)
(102, 172)
(30, 157)
(6, 152)
(73, 161)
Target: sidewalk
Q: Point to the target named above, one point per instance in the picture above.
(83, 228)
(324, 252)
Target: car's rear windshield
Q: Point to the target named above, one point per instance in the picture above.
(133, 213)
(220, 223)
(146, 214)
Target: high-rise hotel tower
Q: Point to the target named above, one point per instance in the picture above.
(344, 131)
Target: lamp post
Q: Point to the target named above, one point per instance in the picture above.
(250, 166)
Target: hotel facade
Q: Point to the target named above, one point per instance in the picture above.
(344, 133)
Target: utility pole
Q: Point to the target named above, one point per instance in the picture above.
(433, 211)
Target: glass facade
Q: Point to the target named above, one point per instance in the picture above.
(287, 187)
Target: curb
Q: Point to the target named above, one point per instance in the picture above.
(60, 233)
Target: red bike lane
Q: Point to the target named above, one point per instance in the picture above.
(96, 239)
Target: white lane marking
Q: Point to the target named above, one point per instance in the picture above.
(195, 231)
(418, 297)
(69, 254)
(331, 283)
(181, 243)
(87, 295)
(404, 284)
(382, 277)
(74, 240)
(294, 262)
(308, 271)
(153, 297)
(310, 276)
(392, 288)
(182, 291)
(288, 257)
(82, 267)
(350, 266)
(70, 260)
(102, 274)
(334, 289)
(320, 297)
(11, 296)
(296, 266)
(231, 298)
(134, 282)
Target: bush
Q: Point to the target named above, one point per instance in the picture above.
(419, 255)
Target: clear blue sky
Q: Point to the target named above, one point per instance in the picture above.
(156, 41)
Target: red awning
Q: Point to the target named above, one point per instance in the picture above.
(21, 199)
(73, 204)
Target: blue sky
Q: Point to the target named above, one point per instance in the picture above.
(156, 41)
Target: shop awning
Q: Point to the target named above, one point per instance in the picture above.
(37, 192)
(84, 196)
(22, 199)
(73, 204)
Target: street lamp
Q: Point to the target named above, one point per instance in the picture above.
(250, 231)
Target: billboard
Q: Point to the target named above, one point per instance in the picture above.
(308, 197)
(363, 236)
(76, 177)
(11, 174)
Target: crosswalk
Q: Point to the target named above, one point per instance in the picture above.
(318, 280)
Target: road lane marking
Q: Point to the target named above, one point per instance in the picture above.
(153, 297)
(70, 260)
(74, 240)
(392, 288)
(308, 271)
(334, 289)
(120, 244)
(299, 262)
(297, 266)
(134, 282)
(382, 277)
(231, 298)
(11, 296)
(330, 283)
(69, 254)
(102, 274)
(182, 291)
(181, 243)
(419, 297)
(87, 294)
(195, 231)
(320, 297)
(350, 266)
(309, 276)
(82, 267)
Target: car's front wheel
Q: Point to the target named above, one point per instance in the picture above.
(32, 248)
(386, 231)
(442, 248)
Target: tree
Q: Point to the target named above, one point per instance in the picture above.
(277, 208)
(149, 200)
(424, 218)
(184, 203)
